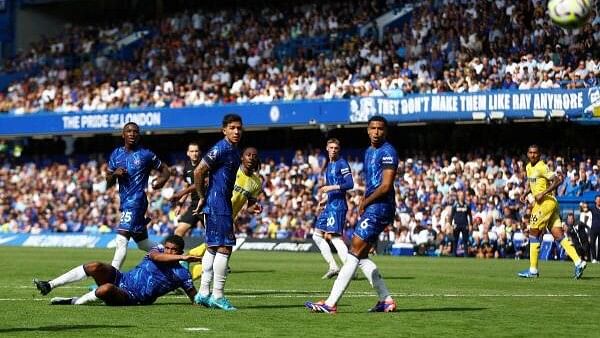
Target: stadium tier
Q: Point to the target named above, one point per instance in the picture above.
(315, 50)
(58, 198)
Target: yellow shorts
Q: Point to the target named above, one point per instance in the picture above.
(545, 215)
(199, 250)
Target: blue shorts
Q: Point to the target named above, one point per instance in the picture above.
(219, 230)
(370, 225)
(134, 221)
(331, 221)
(127, 282)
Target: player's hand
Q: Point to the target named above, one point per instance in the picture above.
(120, 172)
(191, 259)
(199, 207)
(177, 209)
(325, 189)
(174, 200)
(523, 199)
(159, 182)
(321, 205)
(361, 207)
(255, 209)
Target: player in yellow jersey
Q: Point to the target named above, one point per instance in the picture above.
(248, 186)
(542, 182)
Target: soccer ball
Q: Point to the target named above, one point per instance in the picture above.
(569, 13)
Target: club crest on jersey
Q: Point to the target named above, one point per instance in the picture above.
(212, 154)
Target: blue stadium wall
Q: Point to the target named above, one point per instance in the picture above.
(576, 104)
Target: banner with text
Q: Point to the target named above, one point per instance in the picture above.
(449, 107)
(516, 104)
(66, 240)
(204, 117)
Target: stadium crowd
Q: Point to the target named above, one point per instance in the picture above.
(68, 198)
(244, 55)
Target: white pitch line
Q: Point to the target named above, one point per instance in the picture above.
(358, 295)
(196, 329)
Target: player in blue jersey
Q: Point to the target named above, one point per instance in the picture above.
(220, 164)
(331, 221)
(158, 273)
(376, 211)
(130, 166)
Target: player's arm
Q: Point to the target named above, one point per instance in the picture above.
(347, 182)
(165, 173)
(111, 176)
(161, 257)
(200, 174)
(387, 184)
(179, 197)
(557, 180)
(252, 205)
(523, 197)
(469, 216)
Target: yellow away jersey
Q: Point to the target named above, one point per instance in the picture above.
(539, 177)
(246, 187)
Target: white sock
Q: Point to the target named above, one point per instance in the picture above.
(88, 297)
(146, 245)
(207, 272)
(74, 275)
(369, 268)
(120, 251)
(342, 280)
(340, 246)
(220, 270)
(325, 250)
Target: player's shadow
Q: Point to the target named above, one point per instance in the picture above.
(273, 292)
(396, 277)
(235, 272)
(272, 306)
(443, 309)
(59, 328)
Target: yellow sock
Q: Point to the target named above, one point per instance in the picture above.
(534, 253)
(198, 251)
(196, 271)
(570, 249)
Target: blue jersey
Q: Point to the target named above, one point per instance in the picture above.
(376, 161)
(132, 185)
(223, 159)
(338, 173)
(150, 280)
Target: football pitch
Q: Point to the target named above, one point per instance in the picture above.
(436, 296)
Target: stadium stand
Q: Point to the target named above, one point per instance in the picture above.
(308, 51)
(74, 198)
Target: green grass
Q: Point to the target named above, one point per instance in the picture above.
(436, 296)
